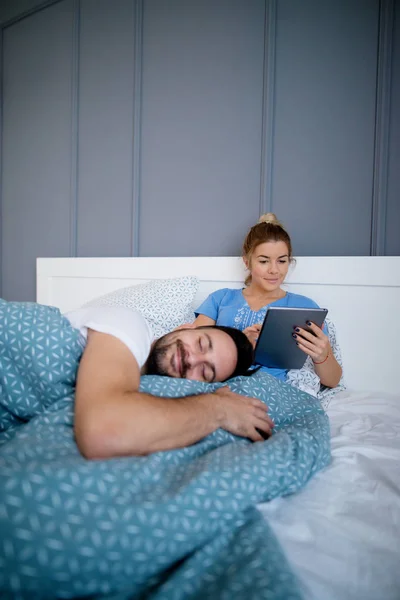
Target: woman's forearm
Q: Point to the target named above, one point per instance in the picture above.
(203, 321)
(329, 371)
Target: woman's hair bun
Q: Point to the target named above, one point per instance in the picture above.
(270, 218)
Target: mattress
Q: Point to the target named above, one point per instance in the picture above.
(341, 533)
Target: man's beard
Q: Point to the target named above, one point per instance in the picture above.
(156, 364)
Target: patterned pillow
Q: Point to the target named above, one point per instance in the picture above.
(164, 303)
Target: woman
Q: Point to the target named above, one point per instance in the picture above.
(267, 254)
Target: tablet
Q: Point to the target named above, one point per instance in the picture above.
(276, 347)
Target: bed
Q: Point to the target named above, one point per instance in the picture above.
(340, 534)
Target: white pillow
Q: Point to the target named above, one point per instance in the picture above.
(164, 303)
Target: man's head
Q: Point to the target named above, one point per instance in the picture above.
(208, 354)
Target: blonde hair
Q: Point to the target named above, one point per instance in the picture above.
(267, 229)
(270, 218)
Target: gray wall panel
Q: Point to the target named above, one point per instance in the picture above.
(201, 125)
(36, 145)
(324, 123)
(105, 128)
(163, 131)
(393, 206)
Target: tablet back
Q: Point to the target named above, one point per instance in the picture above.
(276, 347)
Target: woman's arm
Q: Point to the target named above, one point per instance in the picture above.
(202, 321)
(329, 371)
(317, 345)
(208, 311)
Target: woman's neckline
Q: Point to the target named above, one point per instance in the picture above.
(266, 302)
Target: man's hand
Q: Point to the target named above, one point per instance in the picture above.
(243, 416)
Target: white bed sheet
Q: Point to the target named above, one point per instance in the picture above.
(342, 532)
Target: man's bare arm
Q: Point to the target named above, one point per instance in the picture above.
(112, 418)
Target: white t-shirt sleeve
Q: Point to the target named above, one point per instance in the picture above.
(126, 324)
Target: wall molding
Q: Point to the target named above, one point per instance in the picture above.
(74, 155)
(137, 118)
(268, 106)
(382, 127)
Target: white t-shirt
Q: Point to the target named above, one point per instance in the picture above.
(126, 324)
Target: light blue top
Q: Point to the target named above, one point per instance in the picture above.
(230, 308)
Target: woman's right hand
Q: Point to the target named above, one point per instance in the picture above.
(252, 333)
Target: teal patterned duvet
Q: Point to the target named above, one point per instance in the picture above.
(181, 524)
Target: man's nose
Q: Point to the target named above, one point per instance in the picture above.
(191, 364)
(194, 358)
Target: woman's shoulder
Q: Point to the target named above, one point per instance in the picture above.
(228, 291)
(299, 301)
(225, 294)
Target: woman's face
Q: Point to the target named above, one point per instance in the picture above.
(269, 265)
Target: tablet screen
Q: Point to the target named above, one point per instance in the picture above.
(276, 348)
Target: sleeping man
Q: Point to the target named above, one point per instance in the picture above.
(113, 418)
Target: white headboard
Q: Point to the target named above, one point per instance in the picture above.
(361, 293)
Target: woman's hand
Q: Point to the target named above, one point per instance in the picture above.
(185, 326)
(318, 347)
(315, 344)
(252, 333)
(200, 321)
